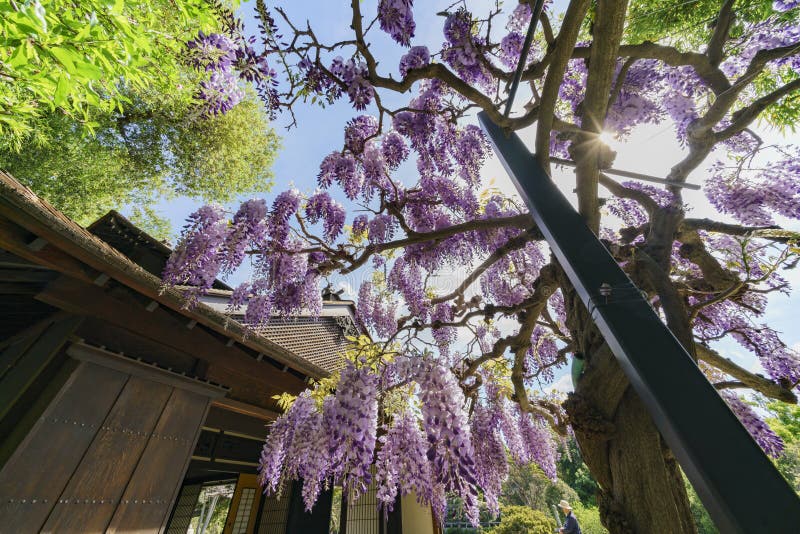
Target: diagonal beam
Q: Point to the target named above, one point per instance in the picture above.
(737, 483)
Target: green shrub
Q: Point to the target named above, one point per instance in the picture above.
(702, 520)
(588, 518)
(522, 520)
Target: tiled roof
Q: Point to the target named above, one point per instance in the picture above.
(322, 341)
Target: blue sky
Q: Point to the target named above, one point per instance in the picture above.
(651, 149)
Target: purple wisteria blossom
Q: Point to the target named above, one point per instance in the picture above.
(755, 196)
(764, 436)
(417, 57)
(397, 19)
(402, 466)
(228, 60)
(450, 447)
(220, 93)
(198, 258)
(354, 75)
(321, 207)
(785, 5)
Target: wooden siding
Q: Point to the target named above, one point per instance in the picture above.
(109, 452)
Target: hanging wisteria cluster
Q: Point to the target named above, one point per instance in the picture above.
(229, 60)
(333, 442)
(462, 294)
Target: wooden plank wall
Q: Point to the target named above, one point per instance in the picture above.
(108, 454)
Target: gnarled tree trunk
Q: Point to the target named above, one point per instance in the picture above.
(641, 488)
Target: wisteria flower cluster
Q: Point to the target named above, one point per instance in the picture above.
(428, 455)
(756, 196)
(334, 442)
(229, 60)
(397, 20)
(355, 76)
(462, 50)
(763, 434)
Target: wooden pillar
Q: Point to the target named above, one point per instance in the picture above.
(109, 452)
(416, 518)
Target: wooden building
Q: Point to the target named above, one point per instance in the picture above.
(118, 405)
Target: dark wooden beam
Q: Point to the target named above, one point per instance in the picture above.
(12, 261)
(151, 372)
(19, 288)
(15, 239)
(25, 275)
(257, 412)
(33, 360)
(116, 339)
(249, 380)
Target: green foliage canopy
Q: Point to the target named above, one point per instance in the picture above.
(83, 57)
(155, 154)
(99, 110)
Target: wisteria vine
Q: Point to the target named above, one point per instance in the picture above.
(466, 360)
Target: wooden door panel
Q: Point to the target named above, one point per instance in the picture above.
(149, 494)
(34, 477)
(244, 506)
(94, 491)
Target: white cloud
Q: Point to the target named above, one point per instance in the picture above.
(563, 384)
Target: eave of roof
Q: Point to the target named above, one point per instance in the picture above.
(21, 206)
(132, 228)
(113, 221)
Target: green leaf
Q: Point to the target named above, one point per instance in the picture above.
(117, 8)
(19, 57)
(25, 29)
(88, 70)
(65, 57)
(62, 89)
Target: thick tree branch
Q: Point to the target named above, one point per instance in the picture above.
(727, 99)
(757, 382)
(617, 189)
(671, 302)
(608, 26)
(620, 81)
(772, 233)
(543, 288)
(673, 57)
(565, 42)
(694, 249)
(721, 31)
(745, 116)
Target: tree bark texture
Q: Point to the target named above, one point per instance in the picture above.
(641, 487)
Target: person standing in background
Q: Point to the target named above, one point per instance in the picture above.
(570, 523)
